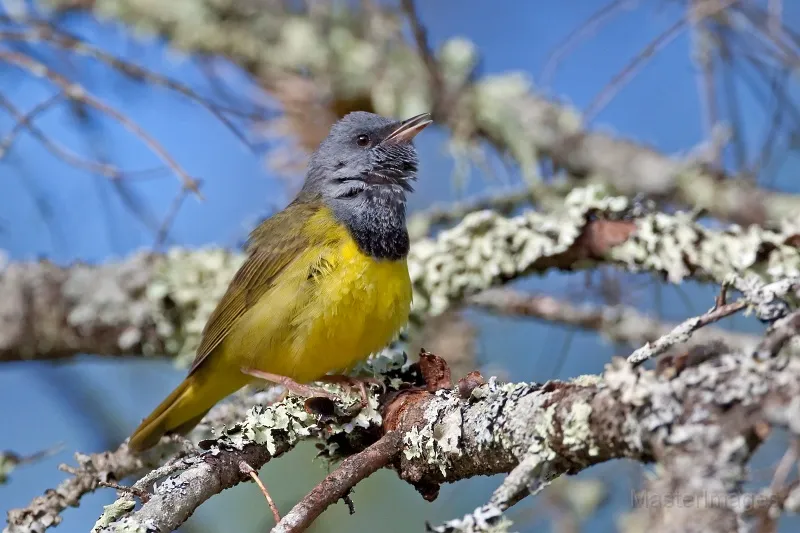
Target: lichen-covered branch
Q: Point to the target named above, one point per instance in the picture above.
(158, 304)
(445, 438)
(700, 416)
(708, 412)
(93, 471)
(700, 422)
(45, 511)
(360, 59)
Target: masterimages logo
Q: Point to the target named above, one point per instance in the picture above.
(646, 499)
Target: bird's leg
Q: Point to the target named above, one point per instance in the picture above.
(305, 391)
(361, 383)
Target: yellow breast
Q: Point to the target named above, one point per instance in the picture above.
(358, 308)
(333, 308)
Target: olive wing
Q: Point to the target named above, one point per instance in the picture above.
(272, 246)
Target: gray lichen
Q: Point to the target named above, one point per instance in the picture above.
(486, 249)
(183, 292)
(485, 519)
(437, 440)
(104, 301)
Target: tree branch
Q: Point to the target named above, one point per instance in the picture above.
(45, 511)
(158, 304)
(618, 324)
(353, 470)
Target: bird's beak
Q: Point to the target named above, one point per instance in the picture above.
(409, 128)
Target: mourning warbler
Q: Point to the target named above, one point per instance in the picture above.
(325, 282)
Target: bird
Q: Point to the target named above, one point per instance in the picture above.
(324, 283)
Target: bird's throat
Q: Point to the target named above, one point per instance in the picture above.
(378, 227)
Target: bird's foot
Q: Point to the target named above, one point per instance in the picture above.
(353, 382)
(299, 389)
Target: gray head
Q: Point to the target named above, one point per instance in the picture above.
(362, 171)
(365, 153)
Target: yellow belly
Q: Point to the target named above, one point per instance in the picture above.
(305, 328)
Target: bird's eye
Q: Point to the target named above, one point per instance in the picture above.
(362, 140)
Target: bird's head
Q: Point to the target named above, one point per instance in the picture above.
(366, 157)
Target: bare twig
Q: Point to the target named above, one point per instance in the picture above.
(25, 121)
(47, 33)
(133, 491)
(584, 30)
(703, 55)
(354, 469)
(10, 460)
(732, 100)
(248, 470)
(77, 92)
(621, 78)
(424, 49)
(653, 47)
(169, 219)
(621, 325)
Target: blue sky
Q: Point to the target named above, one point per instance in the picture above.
(90, 402)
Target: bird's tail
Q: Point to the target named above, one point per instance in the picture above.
(183, 409)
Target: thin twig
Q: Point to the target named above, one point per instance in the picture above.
(133, 491)
(706, 87)
(44, 32)
(653, 47)
(562, 49)
(10, 460)
(248, 470)
(334, 487)
(169, 219)
(79, 93)
(733, 102)
(424, 49)
(683, 330)
(616, 323)
(24, 120)
(764, 157)
(622, 77)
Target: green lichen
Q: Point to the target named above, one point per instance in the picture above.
(113, 512)
(286, 420)
(577, 433)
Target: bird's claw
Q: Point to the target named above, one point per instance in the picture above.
(298, 389)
